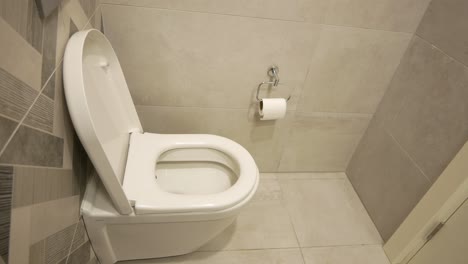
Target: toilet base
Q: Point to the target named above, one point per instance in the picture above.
(116, 242)
(115, 237)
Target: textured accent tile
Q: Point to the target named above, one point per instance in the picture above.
(23, 17)
(387, 181)
(351, 69)
(37, 253)
(80, 236)
(322, 142)
(57, 246)
(41, 115)
(88, 7)
(327, 212)
(16, 96)
(19, 58)
(50, 217)
(445, 24)
(35, 185)
(432, 125)
(371, 254)
(31, 147)
(21, 231)
(35, 26)
(76, 13)
(269, 256)
(80, 255)
(23, 188)
(6, 186)
(6, 129)
(48, 53)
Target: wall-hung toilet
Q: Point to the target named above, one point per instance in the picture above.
(156, 195)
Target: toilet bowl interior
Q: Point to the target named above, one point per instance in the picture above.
(195, 171)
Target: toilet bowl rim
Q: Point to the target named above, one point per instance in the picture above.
(140, 185)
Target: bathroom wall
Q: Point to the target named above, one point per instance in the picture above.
(193, 67)
(422, 121)
(42, 164)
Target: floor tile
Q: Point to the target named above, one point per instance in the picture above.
(278, 256)
(264, 223)
(327, 212)
(345, 255)
(310, 175)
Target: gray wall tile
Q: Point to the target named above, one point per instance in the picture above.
(32, 147)
(420, 125)
(445, 25)
(387, 181)
(432, 125)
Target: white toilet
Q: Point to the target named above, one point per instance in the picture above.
(156, 195)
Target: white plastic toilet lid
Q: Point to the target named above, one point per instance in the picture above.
(101, 108)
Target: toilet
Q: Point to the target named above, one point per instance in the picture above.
(153, 195)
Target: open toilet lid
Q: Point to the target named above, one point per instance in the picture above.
(101, 108)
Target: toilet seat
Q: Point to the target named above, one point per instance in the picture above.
(147, 197)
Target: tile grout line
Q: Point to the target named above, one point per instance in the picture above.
(407, 154)
(302, 21)
(290, 219)
(71, 243)
(440, 50)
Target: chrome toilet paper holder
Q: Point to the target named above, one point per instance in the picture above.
(273, 73)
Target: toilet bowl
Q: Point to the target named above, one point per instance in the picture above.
(153, 195)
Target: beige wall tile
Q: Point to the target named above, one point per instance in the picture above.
(19, 58)
(403, 15)
(445, 25)
(206, 60)
(387, 181)
(277, 256)
(327, 212)
(263, 139)
(350, 69)
(350, 255)
(273, 9)
(20, 235)
(50, 217)
(322, 142)
(432, 124)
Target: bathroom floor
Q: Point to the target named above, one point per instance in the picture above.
(295, 218)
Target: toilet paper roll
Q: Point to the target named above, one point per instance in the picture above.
(272, 108)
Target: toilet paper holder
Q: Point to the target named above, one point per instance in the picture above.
(273, 73)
